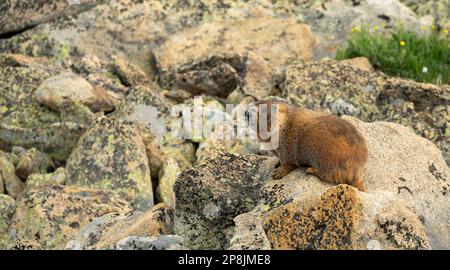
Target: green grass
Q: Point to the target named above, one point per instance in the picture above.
(403, 53)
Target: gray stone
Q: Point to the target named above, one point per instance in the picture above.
(164, 242)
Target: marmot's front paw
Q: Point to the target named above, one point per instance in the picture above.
(282, 171)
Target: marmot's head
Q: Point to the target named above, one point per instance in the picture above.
(265, 117)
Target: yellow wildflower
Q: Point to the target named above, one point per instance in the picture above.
(375, 29)
(355, 29)
(445, 31)
(402, 43)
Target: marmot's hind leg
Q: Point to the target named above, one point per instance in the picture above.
(282, 171)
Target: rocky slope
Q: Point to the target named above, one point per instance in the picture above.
(82, 166)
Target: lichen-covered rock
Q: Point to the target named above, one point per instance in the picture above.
(104, 232)
(163, 242)
(405, 206)
(33, 161)
(36, 180)
(111, 155)
(341, 218)
(6, 212)
(47, 218)
(325, 224)
(36, 12)
(13, 185)
(68, 88)
(20, 76)
(23, 121)
(210, 194)
(344, 89)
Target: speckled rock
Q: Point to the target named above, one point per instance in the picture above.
(47, 218)
(111, 155)
(37, 180)
(104, 232)
(163, 242)
(336, 220)
(68, 88)
(210, 194)
(344, 89)
(37, 11)
(405, 206)
(325, 224)
(13, 185)
(249, 232)
(6, 212)
(273, 39)
(33, 161)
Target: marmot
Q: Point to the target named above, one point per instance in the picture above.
(331, 148)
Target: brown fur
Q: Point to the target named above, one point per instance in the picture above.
(331, 148)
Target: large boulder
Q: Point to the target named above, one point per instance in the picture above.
(210, 194)
(47, 218)
(111, 155)
(405, 206)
